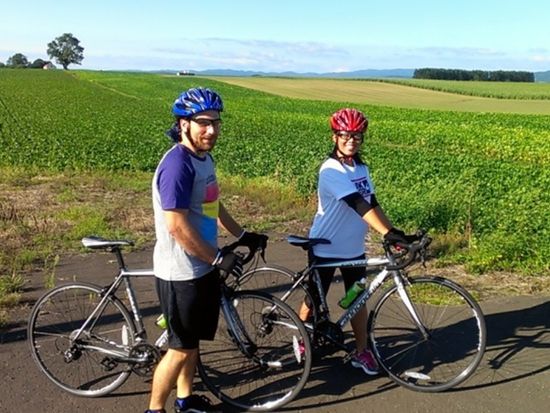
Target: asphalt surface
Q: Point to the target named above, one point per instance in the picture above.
(514, 375)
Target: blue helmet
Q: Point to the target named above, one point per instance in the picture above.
(196, 100)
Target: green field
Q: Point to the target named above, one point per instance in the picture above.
(499, 90)
(401, 94)
(480, 179)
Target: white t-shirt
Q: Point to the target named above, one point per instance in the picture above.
(335, 220)
(184, 180)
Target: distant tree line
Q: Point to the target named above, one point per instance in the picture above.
(65, 49)
(481, 75)
(20, 61)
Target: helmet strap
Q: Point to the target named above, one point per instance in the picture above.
(348, 160)
(344, 159)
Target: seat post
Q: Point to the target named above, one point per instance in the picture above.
(116, 250)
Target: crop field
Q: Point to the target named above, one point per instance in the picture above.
(499, 90)
(399, 93)
(482, 178)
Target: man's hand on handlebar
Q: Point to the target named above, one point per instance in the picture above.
(253, 240)
(229, 262)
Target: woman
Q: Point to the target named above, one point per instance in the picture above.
(347, 207)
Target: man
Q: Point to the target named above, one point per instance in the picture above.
(186, 258)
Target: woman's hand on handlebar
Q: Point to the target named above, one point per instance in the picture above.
(407, 247)
(398, 237)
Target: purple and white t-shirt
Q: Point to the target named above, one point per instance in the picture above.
(184, 180)
(334, 219)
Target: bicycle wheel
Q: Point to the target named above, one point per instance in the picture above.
(260, 358)
(88, 366)
(277, 281)
(453, 346)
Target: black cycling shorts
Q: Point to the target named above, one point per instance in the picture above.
(349, 274)
(191, 309)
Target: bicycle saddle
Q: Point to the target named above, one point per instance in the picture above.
(95, 242)
(305, 243)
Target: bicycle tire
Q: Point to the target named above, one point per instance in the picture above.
(277, 280)
(456, 341)
(60, 313)
(271, 371)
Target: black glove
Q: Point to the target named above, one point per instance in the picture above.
(229, 262)
(253, 240)
(396, 236)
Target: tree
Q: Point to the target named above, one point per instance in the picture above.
(66, 50)
(37, 64)
(18, 60)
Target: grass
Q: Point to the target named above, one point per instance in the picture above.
(46, 215)
(37, 235)
(386, 94)
(499, 90)
(11, 287)
(44, 211)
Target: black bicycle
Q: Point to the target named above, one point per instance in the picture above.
(428, 333)
(87, 341)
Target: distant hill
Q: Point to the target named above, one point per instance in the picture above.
(357, 74)
(542, 76)
(368, 73)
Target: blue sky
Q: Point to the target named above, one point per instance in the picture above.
(282, 35)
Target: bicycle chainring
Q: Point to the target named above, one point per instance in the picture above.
(150, 356)
(329, 334)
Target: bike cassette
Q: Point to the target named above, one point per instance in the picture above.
(148, 357)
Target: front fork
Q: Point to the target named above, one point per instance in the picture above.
(403, 294)
(235, 328)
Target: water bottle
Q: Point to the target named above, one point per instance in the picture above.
(161, 322)
(357, 288)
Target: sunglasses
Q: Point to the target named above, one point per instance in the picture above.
(346, 136)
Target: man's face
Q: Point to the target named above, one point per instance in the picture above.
(201, 132)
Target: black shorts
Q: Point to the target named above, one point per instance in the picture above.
(191, 309)
(349, 275)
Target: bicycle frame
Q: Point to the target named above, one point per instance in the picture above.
(124, 276)
(427, 332)
(361, 300)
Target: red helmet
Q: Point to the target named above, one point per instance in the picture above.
(349, 120)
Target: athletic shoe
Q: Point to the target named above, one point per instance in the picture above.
(299, 348)
(366, 361)
(194, 404)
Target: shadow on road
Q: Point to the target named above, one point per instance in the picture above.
(518, 344)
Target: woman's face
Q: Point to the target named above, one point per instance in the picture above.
(348, 143)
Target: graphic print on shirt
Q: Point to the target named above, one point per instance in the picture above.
(363, 187)
(211, 203)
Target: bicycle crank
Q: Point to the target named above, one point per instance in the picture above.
(329, 334)
(148, 356)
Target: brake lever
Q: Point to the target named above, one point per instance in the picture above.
(262, 254)
(423, 257)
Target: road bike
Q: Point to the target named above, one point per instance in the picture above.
(87, 341)
(427, 332)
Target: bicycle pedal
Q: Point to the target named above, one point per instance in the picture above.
(108, 364)
(347, 358)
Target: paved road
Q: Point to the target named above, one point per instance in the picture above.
(513, 377)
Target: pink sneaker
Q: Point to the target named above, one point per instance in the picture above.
(366, 361)
(299, 348)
